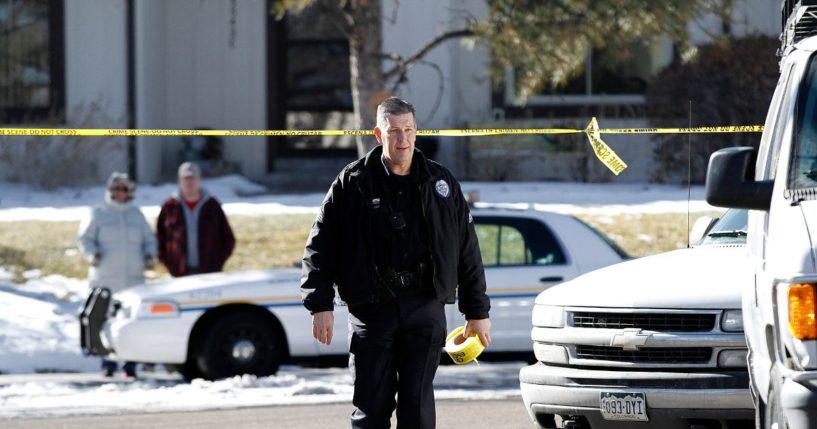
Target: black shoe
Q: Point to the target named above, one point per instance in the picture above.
(130, 373)
(108, 373)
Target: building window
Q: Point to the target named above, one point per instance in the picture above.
(615, 76)
(318, 86)
(32, 76)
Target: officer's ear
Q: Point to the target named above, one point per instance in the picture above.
(378, 134)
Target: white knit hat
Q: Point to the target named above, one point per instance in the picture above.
(117, 179)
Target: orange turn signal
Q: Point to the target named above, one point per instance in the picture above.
(162, 308)
(801, 311)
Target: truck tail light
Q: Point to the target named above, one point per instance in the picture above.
(801, 311)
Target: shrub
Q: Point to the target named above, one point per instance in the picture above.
(729, 82)
(51, 162)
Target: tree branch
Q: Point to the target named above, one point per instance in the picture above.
(403, 65)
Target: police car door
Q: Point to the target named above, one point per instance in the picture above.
(522, 257)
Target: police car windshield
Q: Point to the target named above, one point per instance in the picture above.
(730, 229)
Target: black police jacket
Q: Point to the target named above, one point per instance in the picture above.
(340, 249)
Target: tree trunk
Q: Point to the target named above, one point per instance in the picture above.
(365, 62)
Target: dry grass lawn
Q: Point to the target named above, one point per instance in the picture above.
(645, 234)
(277, 241)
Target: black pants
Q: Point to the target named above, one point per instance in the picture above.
(111, 366)
(395, 348)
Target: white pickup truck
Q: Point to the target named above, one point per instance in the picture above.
(778, 183)
(656, 342)
(222, 324)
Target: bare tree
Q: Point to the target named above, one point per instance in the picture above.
(545, 39)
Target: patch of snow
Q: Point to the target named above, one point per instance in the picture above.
(39, 328)
(292, 385)
(240, 196)
(32, 274)
(6, 275)
(39, 332)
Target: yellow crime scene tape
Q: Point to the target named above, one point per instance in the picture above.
(462, 350)
(602, 151)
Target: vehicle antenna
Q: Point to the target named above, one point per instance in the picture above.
(689, 170)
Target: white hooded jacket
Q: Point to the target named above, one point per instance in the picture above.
(120, 235)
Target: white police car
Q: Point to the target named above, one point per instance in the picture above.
(222, 324)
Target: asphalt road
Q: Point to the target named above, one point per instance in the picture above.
(493, 414)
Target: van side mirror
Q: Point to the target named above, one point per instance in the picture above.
(730, 180)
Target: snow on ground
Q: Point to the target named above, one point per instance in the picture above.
(39, 333)
(239, 196)
(39, 328)
(292, 385)
(242, 197)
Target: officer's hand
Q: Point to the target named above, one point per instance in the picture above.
(481, 327)
(322, 324)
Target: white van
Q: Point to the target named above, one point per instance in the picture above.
(778, 183)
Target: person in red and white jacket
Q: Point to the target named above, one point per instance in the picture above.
(193, 232)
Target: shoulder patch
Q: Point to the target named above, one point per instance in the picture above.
(442, 188)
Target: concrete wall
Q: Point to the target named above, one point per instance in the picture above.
(748, 17)
(202, 64)
(96, 71)
(464, 92)
(151, 87)
(539, 157)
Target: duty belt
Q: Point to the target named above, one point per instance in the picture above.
(391, 281)
(405, 278)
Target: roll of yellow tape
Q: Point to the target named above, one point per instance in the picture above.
(464, 351)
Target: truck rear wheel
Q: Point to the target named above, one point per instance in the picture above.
(240, 343)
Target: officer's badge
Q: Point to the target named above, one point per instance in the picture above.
(442, 188)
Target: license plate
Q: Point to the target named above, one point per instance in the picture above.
(623, 406)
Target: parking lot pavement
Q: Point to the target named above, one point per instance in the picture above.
(494, 414)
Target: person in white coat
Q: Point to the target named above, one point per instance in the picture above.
(118, 242)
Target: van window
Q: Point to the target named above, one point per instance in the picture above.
(803, 167)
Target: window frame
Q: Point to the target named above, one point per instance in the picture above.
(56, 57)
(771, 144)
(517, 224)
(589, 97)
(287, 147)
(807, 82)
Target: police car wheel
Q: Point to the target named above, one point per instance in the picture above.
(240, 343)
(189, 370)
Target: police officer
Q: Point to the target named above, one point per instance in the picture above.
(396, 237)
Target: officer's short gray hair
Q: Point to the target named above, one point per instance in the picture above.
(393, 106)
